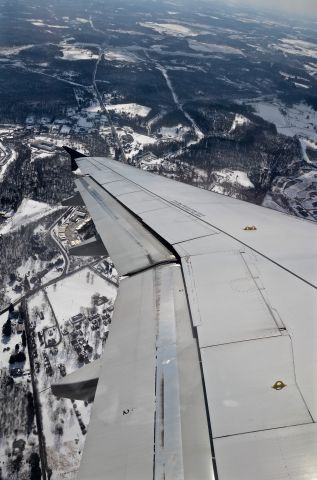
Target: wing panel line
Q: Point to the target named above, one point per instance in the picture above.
(180, 207)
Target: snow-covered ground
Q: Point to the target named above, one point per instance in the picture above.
(74, 52)
(151, 165)
(176, 132)
(302, 189)
(305, 144)
(75, 291)
(8, 51)
(116, 55)
(13, 405)
(130, 109)
(60, 141)
(311, 69)
(54, 307)
(29, 211)
(294, 46)
(31, 268)
(300, 120)
(174, 29)
(295, 194)
(6, 157)
(40, 23)
(40, 155)
(82, 20)
(213, 48)
(239, 121)
(133, 147)
(232, 176)
(63, 436)
(9, 343)
(218, 189)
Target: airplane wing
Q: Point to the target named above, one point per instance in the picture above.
(210, 367)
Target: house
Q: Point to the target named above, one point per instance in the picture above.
(101, 300)
(77, 318)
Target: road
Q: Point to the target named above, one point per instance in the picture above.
(104, 108)
(50, 282)
(55, 319)
(37, 403)
(65, 273)
(58, 244)
(198, 132)
(7, 156)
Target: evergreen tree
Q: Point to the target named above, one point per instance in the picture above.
(35, 473)
(7, 328)
(23, 339)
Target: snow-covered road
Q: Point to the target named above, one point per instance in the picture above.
(198, 132)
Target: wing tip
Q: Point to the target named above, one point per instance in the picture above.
(73, 156)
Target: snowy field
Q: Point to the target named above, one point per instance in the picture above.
(40, 23)
(29, 211)
(8, 51)
(130, 109)
(233, 177)
(176, 29)
(293, 46)
(239, 121)
(299, 120)
(119, 56)
(30, 269)
(75, 292)
(173, 29)
(74, 52)
(138, 142)
(40, 155)
(176, 132)
(311, 69)
(213, 48)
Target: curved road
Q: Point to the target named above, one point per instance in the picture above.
(58, 244)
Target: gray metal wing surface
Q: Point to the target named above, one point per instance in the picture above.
(210, 368)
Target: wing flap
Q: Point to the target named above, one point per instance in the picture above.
(130, 245)
(149, 417)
